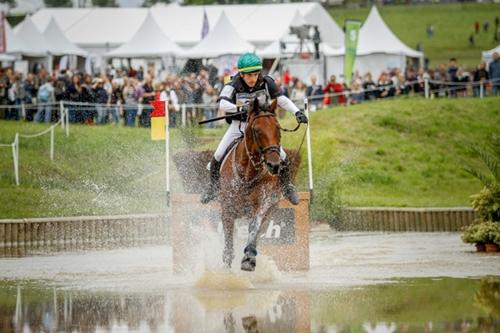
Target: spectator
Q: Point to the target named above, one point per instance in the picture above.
(471, 40)
(16, 95)
(74, 94)
(149, 95)
(116, 102)
(385, 86)
(169, 94)
(131, 99)
(101, 100)
(452, 76)
(486, 25)
(480, 78)
(357, 95)
(333, 87)
(29, 99)
(210, 108)
(476, 27)
(45, 98)
(370, 87)
(494, 72)
(430, 31)
(314, 93)
(299, 93)
(463, 78)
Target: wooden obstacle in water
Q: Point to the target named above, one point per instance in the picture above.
(285, 239)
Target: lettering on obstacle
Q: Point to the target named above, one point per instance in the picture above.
(285, 238)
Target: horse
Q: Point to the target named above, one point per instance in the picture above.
(249, 185)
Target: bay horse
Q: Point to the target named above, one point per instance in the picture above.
(249, 185)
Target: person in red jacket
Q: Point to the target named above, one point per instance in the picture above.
(334, 87)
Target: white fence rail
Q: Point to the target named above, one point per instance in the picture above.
(63, 120)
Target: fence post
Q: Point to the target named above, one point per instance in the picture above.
(23, 111)
(66, 116)
(426, 87)
(61, 113)
(52, 143)
(15, 153)
(481, 89)
(183, 115)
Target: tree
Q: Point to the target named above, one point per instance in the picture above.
(104, 3)
(149, 3)
(11, 3)
(58, 3)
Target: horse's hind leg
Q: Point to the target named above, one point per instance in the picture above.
(248, 262)
(228, 253)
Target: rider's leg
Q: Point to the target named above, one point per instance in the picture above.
(211, 191)
(285, 176)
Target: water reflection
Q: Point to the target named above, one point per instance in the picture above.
(422, 305)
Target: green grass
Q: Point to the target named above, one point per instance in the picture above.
(407, 152)
(453, 23)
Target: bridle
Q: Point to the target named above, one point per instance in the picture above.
(258, 159)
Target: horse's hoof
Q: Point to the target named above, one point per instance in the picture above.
(248, 264)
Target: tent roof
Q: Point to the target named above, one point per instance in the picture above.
(58, 44)
(14, 44)
(221, 40)
(148, 41)
(32, 38)
(257, 24)
(376, 37)
(489, 53)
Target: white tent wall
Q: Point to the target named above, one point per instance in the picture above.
(303, 69)
(373, 63)
(335, 66)
(377, 63)
(488, 55)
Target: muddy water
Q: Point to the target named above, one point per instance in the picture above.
(361, 282)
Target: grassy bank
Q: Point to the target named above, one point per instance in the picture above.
(388, 153)
(453, 23)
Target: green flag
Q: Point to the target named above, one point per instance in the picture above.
(351, 44)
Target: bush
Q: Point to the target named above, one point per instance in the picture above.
(487, 203)
(484, 232)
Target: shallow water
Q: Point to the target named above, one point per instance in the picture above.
(362, 282)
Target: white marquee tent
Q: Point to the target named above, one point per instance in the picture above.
(101, 29)
(488, 55)
(16, 45)
(378, 49)
(148, 42)
(32, 38)
(58, 44)
(221, 40)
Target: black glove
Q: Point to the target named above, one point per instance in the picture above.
(301, 117)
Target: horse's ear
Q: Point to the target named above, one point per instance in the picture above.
(255, 106)
(274, 105)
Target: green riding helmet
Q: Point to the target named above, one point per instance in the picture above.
(249, 62)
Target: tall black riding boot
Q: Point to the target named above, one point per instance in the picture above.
(212, 190)
(286, 185)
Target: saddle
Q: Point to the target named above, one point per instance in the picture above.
(230, 148)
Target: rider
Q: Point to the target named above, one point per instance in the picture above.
(244, 87)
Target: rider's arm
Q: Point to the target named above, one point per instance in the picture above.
(226, 99)
(286, 104)
(227, 106)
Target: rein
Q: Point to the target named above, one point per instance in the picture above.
(257, 161)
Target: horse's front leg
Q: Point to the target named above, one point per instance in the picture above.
(228, 227)
(248, 262)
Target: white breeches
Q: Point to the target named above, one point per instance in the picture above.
(232, 133)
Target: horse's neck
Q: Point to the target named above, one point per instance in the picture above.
(245, 166)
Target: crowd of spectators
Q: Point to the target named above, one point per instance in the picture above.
(120, 94)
